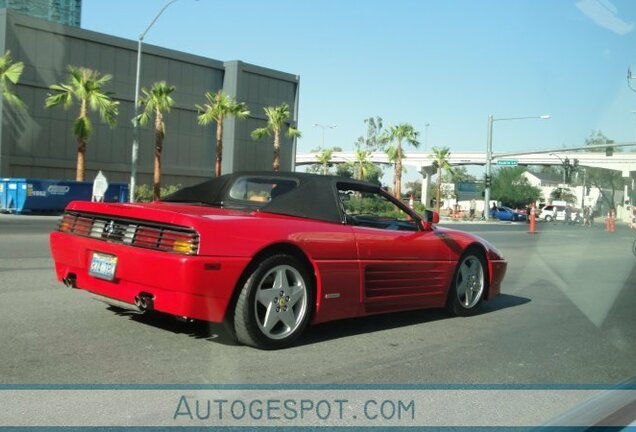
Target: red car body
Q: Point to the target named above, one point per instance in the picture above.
(357, 270)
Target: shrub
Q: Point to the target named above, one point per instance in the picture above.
(143, 193)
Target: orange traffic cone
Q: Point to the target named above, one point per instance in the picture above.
(533, 221)
(607, 222)
(612, 221)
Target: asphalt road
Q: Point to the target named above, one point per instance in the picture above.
(566, 316)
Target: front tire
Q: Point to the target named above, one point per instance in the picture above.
(275, 303)
(468, 285)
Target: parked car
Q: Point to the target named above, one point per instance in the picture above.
(549, 212)
(508, 214)
(269, 253)
(557, 213)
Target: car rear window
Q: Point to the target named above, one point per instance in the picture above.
(260, 189)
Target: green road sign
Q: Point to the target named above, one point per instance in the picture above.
(508, 162)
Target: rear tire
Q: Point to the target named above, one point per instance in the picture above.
(275, 304)
(469, 284)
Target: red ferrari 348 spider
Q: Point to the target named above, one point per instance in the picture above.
(270, 253)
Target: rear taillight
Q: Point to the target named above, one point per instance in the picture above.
(75, 224)
(82, 226)
(183, 246)
(166, 239)
(66, 224)
(131, 232)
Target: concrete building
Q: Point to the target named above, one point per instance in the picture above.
(585, 197)
(39, 143)
(68, 12)
(542, 180)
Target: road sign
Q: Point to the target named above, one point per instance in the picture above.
(467, 187)
(508, 162)
(100, 185)
(468, 190)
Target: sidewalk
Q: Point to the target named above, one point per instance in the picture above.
(29, 217)
(449, 220)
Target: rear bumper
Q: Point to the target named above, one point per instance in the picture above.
(193, 286)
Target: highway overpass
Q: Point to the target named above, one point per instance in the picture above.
(620, 161)
(624, 161)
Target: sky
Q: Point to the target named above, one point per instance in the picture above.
(445, 63)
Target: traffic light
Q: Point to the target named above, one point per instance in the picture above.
(487, 181)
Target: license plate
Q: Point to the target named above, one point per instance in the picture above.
(103, 266)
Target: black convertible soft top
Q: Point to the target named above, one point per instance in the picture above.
(315, 196)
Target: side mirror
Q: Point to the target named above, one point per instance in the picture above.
(429, 218)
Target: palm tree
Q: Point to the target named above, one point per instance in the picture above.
(362, 164)
(402, 133)
(276, 118)
(441, 156)
(10, 72)
(156, 102)
(372, 141)
(85, 86)
(219, 107)
(324, 159)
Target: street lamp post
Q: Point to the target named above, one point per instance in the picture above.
(135, 144)
(563, 162)
(323, 127)
(630, 77)
(426, 126)
(491, 120)
(584, 188)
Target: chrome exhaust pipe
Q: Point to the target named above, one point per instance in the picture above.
(150, 302)
(140, 300)
(118, 303)
(70, 280)
(144, 301)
